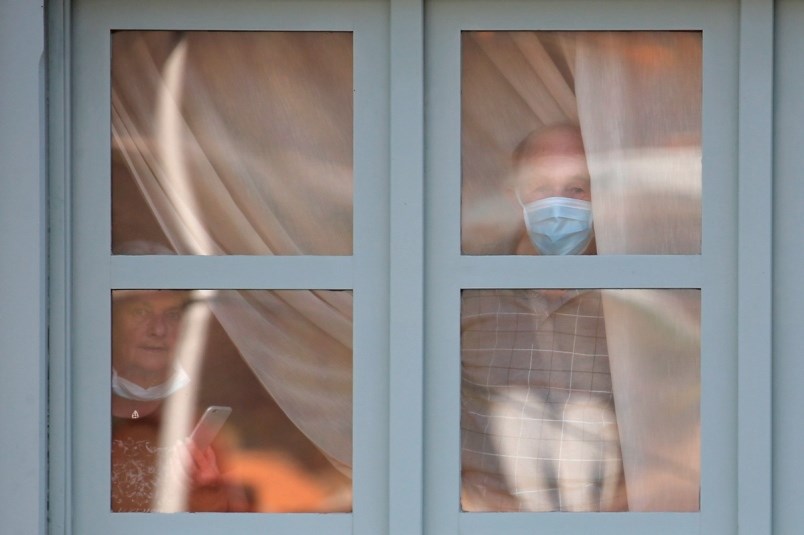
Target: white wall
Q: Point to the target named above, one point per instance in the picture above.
(788, 295)
(22, 269)
(23, 311)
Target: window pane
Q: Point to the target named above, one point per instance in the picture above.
(233, 142)
(580, 400)
(581, 142)
(280, 360)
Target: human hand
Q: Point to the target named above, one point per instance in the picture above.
(203, 468)
(194, 466)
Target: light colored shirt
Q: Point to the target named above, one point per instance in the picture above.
(538, 427)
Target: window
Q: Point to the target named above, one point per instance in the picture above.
(186, 237)
(234, 143)
(580, 400)
(486, 86)
(407, 265)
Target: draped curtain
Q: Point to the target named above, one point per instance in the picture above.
(241, 143)
(639, 104)
(637, 98)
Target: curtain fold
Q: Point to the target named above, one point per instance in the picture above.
(637, 97)
(241, 143)
(511, 83)
(639, 105)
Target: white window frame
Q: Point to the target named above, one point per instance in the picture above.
(96, 272)
(407, 471)
(714, 271)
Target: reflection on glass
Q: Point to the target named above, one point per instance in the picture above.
(280, 360)
(233, 142)
(580, 400)
(628, 181)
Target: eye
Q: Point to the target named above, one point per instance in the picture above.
(173, 315)
(579, 189)
(534, 193)
(139, 312)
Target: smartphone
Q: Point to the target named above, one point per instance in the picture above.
(209, 425)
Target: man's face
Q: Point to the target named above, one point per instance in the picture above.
(552, 165)
(145, 325)
(563, 174)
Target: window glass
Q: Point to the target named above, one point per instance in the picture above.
(580, 400)
(233, 142)
(275, 367)
(581, 142)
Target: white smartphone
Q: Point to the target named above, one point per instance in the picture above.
(209, 425)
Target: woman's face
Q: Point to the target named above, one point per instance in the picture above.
(145, 326)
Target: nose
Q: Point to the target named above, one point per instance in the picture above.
(157, 325)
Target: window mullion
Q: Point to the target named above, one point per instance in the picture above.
(406, 340)
(754, 328)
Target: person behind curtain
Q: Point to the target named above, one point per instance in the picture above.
(538, 428)
(145, 374)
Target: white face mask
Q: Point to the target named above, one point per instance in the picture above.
(559, 225)
(126, 389)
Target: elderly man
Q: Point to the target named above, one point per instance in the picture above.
(538, 428)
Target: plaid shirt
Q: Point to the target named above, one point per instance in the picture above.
(538, 429)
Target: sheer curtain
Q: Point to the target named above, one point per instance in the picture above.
(511, 83)
(241, 143)
(639, 104)
(637, 97)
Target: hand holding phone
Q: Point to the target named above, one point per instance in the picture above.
(209, 425)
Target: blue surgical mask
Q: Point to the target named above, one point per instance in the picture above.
(559, 225)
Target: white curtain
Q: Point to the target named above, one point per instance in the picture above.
(639, 104)
(241, 143)
(637, 97)
(511, 83)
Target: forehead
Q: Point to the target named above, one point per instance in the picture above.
(568, 167)
(150, 298)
